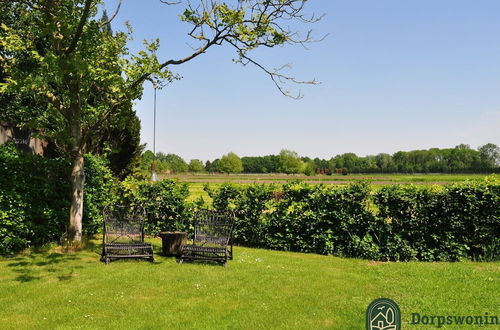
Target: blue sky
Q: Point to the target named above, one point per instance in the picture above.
(395, 75)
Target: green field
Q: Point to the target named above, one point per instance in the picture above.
(197, 181)
(258, 289)
(327, 179)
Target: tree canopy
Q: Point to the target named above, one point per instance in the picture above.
(230, 163)
(60, 54)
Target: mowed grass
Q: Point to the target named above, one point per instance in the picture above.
(259, 289)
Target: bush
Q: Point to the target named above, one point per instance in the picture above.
(300, 217)
(35, 198)
(397, 222)
(99, 183)
(164, 202)
(248, 203)
(455, 222)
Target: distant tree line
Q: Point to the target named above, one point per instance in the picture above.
(461, 159)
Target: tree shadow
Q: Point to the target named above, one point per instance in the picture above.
(26, 278)
(37, 265)
(66, 277)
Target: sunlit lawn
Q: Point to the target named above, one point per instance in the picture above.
(259, 289)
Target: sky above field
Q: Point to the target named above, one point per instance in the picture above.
(395, 75)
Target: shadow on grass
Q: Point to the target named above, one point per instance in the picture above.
(39, 264)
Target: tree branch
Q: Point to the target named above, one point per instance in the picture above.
(56, 103)
(79, 29)
(114, 15)
(180, 61)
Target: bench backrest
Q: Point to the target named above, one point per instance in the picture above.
(214, 227)
(123, 224)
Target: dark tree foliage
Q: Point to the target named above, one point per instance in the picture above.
(263, 164)
(461, 159)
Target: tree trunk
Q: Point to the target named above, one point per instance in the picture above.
(77, 166)
(76, 209)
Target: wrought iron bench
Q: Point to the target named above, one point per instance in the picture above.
(123, 234)
(212, 238)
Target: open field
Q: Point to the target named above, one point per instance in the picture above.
(326, 179)
(259, 289)
(197, 181)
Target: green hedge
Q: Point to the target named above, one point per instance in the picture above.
(164, 202)
(426, 223)
(35, 198)
(397, 222)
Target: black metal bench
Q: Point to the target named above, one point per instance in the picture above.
(123, 234)
(212, 238)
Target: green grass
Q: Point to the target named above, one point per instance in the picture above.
(328, 179)
(259, 289)
(196, 190)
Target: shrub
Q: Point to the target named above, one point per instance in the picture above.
(164, 202)
(397, 222)
(299, 217)
(35, 198)
(455, 222)
(248, 204)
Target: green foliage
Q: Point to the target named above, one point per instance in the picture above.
(99, 183)
(461, 159)
(164, 163)
(456, 222)
(230, 163)
(164, 202)
(120, 142)
(397, 222)
(490, 155)
(310, 168)
(173, 162)
(34, 198)
(196, 166)
(262, 164)
(290, 162)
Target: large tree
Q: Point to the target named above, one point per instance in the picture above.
(490, 155)
(59, 52)
(230, 163)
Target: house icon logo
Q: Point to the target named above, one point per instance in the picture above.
(383, 314)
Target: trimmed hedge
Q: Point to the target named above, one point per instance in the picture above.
(426, 223)
(35, 198)
(397, 222)
(164, 202)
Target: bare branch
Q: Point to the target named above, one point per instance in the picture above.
(180, 61)
(278, 78)
(114, 15)
(170, 3)
(262, 23)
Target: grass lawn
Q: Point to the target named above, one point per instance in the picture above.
(259, 289)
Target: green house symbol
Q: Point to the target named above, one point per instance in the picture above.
(383, 314)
